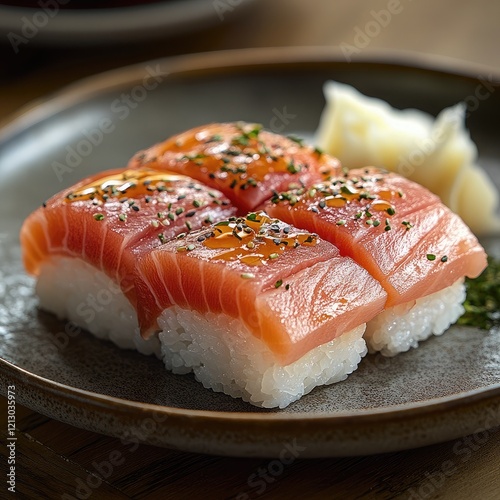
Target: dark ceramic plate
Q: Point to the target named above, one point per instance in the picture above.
(447, 388)
(85, 24)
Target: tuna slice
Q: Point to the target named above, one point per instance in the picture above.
(394, 228)
(244, 162)
(110, 219)
(291, 289)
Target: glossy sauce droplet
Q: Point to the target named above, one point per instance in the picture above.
(386, 195)
(381, 206)
(335, 201)
(254, 240)
(133, 183)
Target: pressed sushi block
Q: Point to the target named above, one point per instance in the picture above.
(173, 256)
(257, 308)
(240, 159)
(404, 236)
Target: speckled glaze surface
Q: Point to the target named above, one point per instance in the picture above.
(449, 387)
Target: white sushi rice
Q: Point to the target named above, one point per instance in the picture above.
(78, 292)
(221, 352)
(398, 329)
(225, 357)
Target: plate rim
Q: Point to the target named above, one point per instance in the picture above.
(83, 88)
(386, 414)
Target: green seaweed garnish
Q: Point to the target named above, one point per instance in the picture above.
(482, 305)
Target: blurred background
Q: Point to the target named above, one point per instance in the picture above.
(46, 44)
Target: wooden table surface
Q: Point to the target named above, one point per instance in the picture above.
(55, 460)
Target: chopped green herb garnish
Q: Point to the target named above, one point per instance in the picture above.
(347, 190)
(242, 140)
(278, 283)
(247, 276)
(123, 217)
(444, 258)
(214, 138)
(482, 305)
(253, 133)
(296, 139)
(98, 216)
(198, 156)
(293, 168)
(431, 256)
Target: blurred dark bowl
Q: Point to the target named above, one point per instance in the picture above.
(77, 23)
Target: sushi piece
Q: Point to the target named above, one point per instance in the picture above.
(243, 161)
(404, 236)
(257, 308)
(83, 244)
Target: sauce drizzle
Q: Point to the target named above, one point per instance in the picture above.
(133, 183)
(255, 239)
